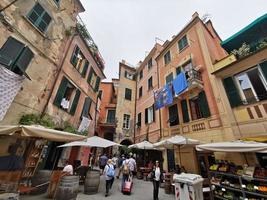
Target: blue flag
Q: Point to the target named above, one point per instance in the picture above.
(163, 96)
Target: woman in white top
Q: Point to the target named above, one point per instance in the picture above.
(157, 177)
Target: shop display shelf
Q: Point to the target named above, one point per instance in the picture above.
(229, 188)
(256, 194)
(224, 173)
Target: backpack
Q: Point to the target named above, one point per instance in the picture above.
(125, 168)
(110, 172)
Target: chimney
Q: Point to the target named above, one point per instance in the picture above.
(195, 15)
(123, 61)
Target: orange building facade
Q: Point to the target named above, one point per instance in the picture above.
(148, 119)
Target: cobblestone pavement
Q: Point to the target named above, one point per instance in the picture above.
(142, 190)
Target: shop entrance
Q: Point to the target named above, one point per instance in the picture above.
(53, 155)
(171, 160)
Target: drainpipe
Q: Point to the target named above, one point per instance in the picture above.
(58, 72)
(135, 99)
(160, 126)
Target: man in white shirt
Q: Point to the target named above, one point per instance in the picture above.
(68, 169)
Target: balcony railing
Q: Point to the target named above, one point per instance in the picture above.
(194, 80)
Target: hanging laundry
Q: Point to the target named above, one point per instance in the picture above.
(180, 83)
(65, 103)
(10, 84)
(163, 96)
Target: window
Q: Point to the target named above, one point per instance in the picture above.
(252, 85)
(79, 62)
(186, 68)
(173, 115)
(111, 116)
(15, 56)
(199, 106)
(128, 94)
(139, 119)
(140, 92)
(149, 63)
(57, 2)
(169, 78)
(182, 43)
(167, 58)
(195, 109)
(39, 17)
(126, 121)
(67, 96)
(86, 108)
(128, 75)
(93, 80)
(100, 93)
(150, 83)
(149, 115)
(140, 74)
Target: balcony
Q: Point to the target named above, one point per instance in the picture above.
(194, 81)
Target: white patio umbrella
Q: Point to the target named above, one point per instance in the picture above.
(142, 145)
(94, 141)
(145, 145)
(178, 141)
(234, 146)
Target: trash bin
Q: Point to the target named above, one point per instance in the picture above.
(188, 186)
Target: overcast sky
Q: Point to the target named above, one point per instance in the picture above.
(126, 29)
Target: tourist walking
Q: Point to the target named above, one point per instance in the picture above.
(102, 162)
(109, 173)
(157, 178)
(132, 165)
(125, 171)
(114, 161)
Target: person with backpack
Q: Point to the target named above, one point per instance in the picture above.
(125, 169)
(109, 172)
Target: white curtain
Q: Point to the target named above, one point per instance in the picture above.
(10, 84)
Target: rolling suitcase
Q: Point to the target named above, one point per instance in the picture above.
(127, 187)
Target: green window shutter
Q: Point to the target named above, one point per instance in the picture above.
(86, 107)
(61, 91)
(139, 120)
(128, 94)
(203, 104)
(85, 68)
(75, 102)
(264, 69)
(97, 84)
(10, 52)
(232, 92)
(185, 111)
(23, 61)
(74, 57)
(146, 115)
(90, 75)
